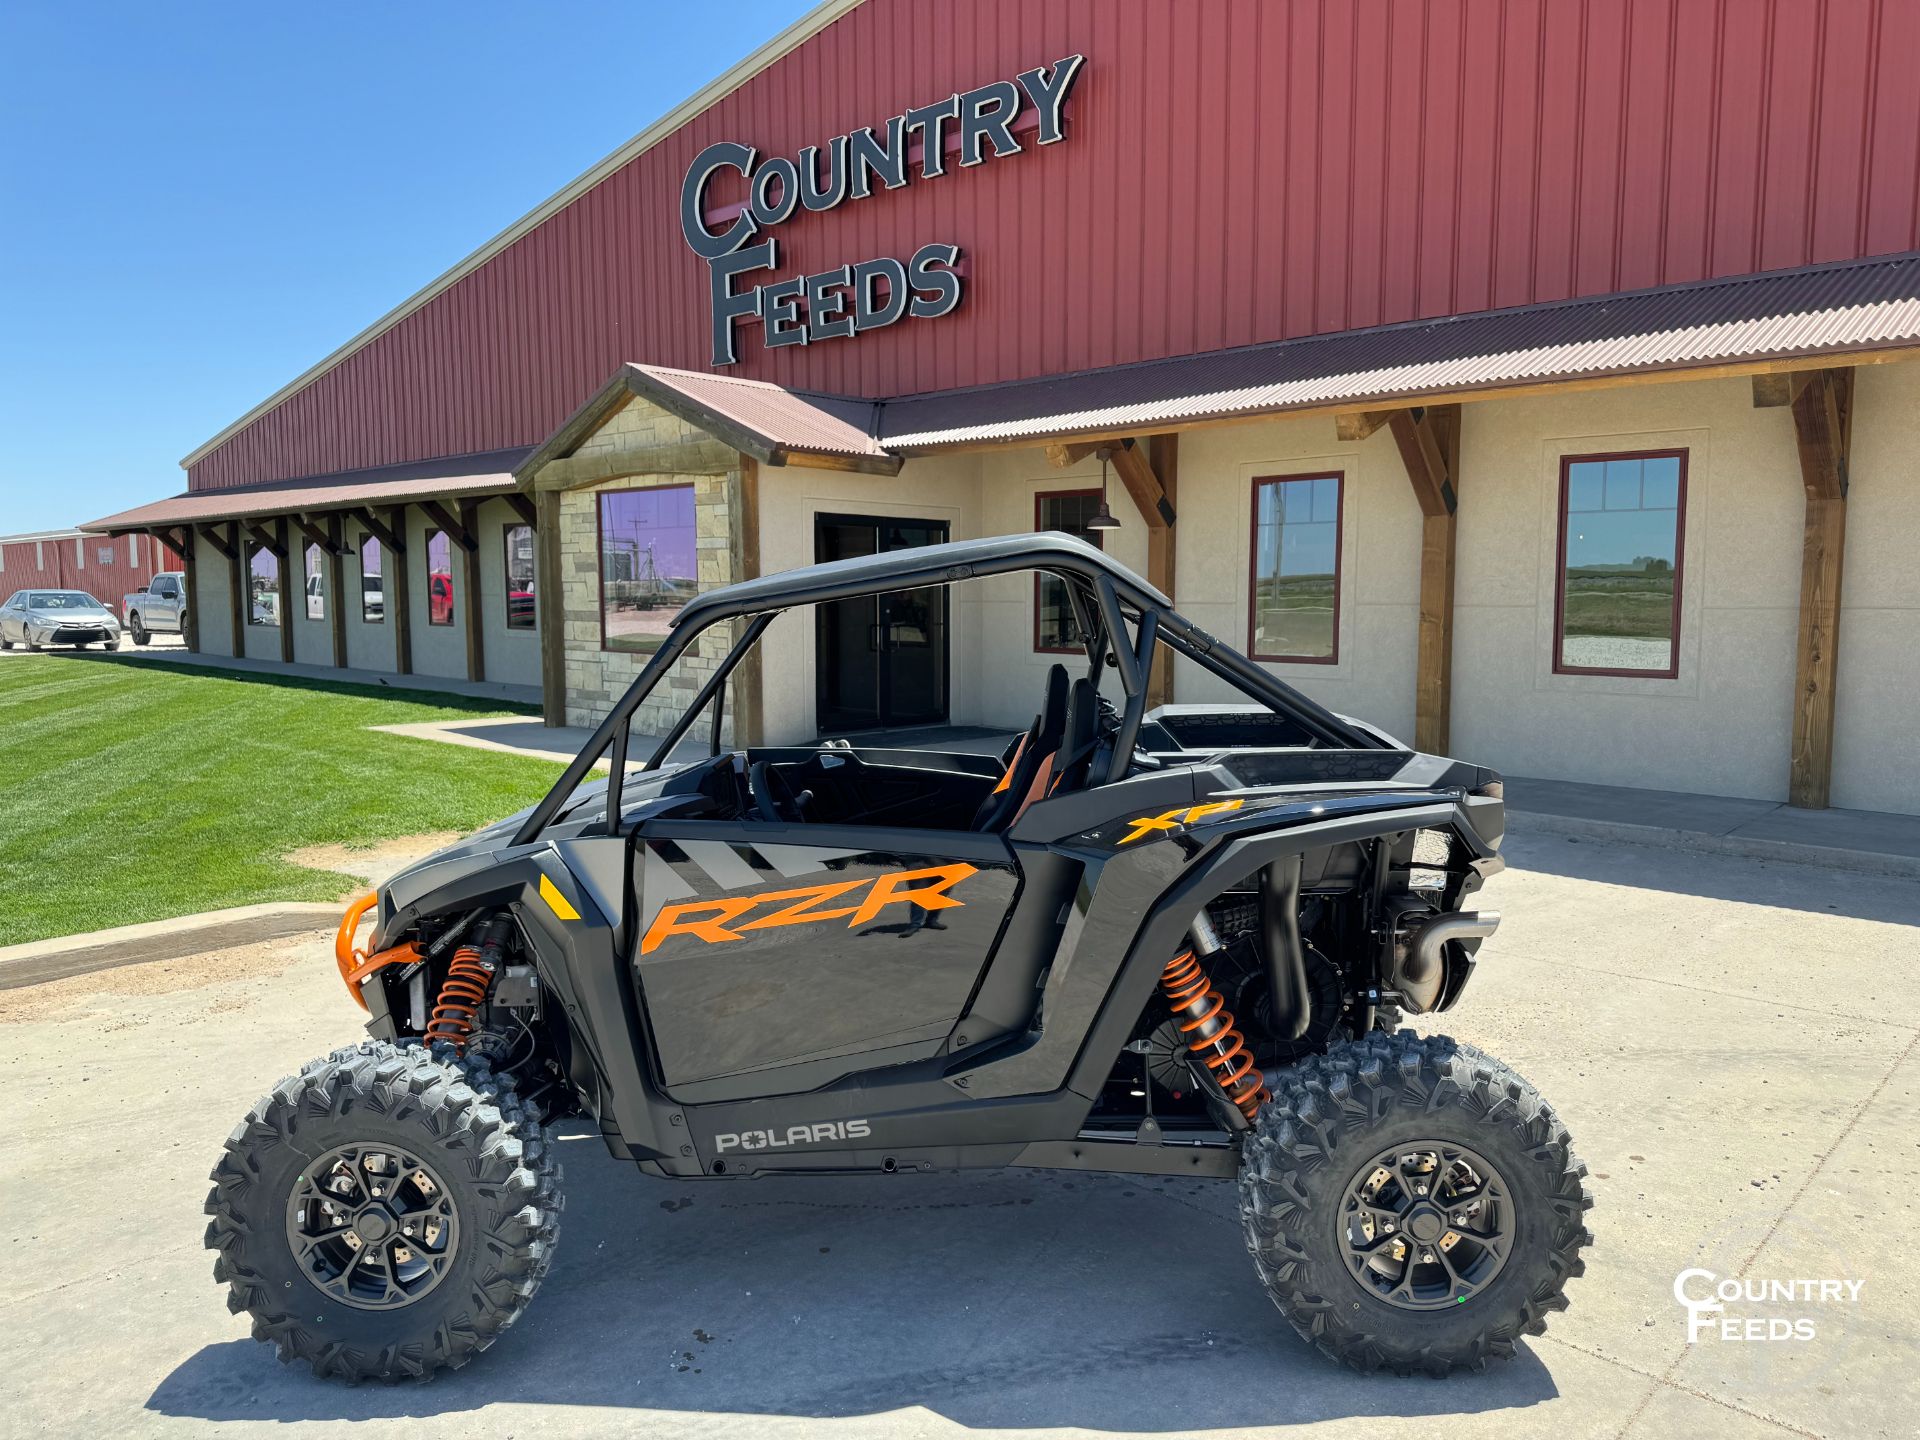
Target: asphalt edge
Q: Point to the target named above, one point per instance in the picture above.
(1830, 857)
(39, 961)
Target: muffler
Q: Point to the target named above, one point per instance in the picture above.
(1420, 969)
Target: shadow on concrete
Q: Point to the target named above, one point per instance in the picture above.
(1010, 1298)
(1777, 884)
(398, 690)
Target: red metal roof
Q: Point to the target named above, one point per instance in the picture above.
(458, 477)
(789, 420)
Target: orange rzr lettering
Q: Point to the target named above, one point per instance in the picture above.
(713, 921)
(1172, 820)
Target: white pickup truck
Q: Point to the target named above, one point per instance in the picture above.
(160, 607)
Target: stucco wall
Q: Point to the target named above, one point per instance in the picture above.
(312, 639)
(934, 488)
(1373, 678)
(1722, 726)
(512, 656)
(437, 649)
(209, 600)
(369, 646)
(1876, 751)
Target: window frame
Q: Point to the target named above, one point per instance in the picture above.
(434, 532)
(1040, 497)
(367, 537)
(600, 555)
(507, 528)
(1567, 462)
(254, 549)
(1339, 477)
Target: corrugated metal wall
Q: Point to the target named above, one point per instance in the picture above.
(1234, 171)
(105, 568)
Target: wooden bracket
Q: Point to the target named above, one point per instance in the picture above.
(1359, 424)
(1423, 448)
(274, 542)
(211, 534)
(317, 532)
(380, 532)
(457, 530)
(1135, 470)
(524, 507)
(1823, 428)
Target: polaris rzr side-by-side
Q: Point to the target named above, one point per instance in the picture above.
(1168, 943)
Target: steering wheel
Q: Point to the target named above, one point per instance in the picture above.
(773, 794)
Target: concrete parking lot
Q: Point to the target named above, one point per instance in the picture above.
(1732, 1043)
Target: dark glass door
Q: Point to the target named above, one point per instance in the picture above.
(881, 660)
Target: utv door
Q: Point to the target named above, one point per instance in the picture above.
(776, 958)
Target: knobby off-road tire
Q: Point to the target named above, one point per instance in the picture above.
(494, 1162)
(1329, 1117)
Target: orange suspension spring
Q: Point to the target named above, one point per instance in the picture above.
(461, 995)
(1201, 1014)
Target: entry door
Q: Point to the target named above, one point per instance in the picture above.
(881, 660)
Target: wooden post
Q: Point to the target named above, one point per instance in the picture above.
(401, 605)
(237, 588)
(190, 608)
(336, 597)
(550, 609)
(472, 612)
(1429, 442)
(749, 719)
(284, 554)
(1823, 432)
(1161, 549)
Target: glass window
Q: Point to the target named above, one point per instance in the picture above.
(519, 577)
(1068, 511)
(1619, 577)
(316, 586)
(373, 597)
(1295, 605)
(439, 578)
(648, 565)
(263, 586)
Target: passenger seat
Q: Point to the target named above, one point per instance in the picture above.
(1030, 769)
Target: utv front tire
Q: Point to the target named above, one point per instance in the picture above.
(1473, 1224)
(386, 1212)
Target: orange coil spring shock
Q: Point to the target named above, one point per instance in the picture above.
(461, 995)
(1201, 1013)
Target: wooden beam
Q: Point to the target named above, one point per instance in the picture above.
(687, 457)
(825, 460)
(1416, 432)
(748, 683)
(1823, 433)
(1359, 424)
(394, 542)
(273, 541)
(550, 610)
(1065, 453)
(320, 530)
(237, 588)
(1165, 457)
(458, 529)
(524, 507)
(287, 592)
(470, 607)
(190, 609)
(1135, 470)
(211, 534)
(336, 598)
(401, 606)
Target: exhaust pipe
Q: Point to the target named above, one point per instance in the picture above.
(1421, 974)
(1286, 959)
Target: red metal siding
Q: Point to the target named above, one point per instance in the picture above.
(1233, 172)
(56, 564)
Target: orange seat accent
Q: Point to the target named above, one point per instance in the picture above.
(1012, 765)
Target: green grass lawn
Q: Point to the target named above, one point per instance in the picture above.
(133, 792)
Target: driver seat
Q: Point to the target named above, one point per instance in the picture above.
(1030, 767)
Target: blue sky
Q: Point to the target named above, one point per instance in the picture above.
(198, 201)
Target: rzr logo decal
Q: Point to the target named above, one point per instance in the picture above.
(820, 1134)
(1169, 821)
(716, 921)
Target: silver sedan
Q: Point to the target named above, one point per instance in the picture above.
(37, 618)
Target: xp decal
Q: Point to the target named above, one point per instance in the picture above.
(1169, 821)
(820, 1134)
(717, 921)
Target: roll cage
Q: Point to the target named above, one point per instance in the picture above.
(1104, 595)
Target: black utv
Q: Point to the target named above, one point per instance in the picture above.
(1168, 943)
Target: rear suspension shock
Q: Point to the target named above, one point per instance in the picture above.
(1201, 1015)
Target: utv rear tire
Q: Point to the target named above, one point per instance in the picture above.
(1330, 1116)
(490, 1159)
